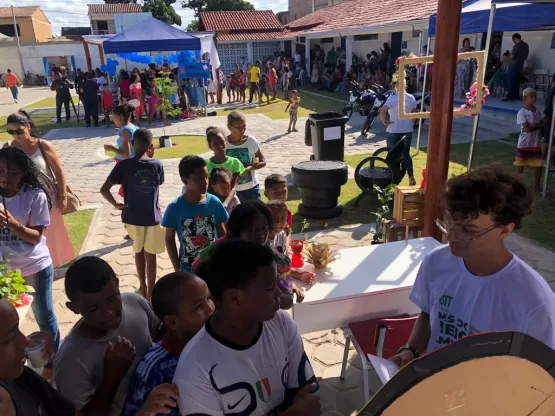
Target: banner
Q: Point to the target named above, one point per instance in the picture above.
(194, 70)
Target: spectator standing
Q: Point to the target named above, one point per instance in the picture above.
(398, 130)
(332, 58)
(89, 93)
(518, 55)
(61, 85)
(273, 80)
(254, 79)
(78, 82)
(12, 83)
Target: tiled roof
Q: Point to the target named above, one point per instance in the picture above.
(264, 35)
(109, 9)
(6, 12)
(363, 13)
(239, 20)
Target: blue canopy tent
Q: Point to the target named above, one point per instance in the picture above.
(151, 35)
(508, 17)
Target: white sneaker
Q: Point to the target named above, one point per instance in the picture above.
(17, 102)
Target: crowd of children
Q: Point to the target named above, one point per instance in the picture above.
(238, 247)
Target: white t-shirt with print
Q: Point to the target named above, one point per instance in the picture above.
(400, 126)
(533, 138)
(30, 208)
(245, 152)
(279, 243)
(515, 298)
(215, 378)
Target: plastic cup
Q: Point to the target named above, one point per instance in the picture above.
(255, 160)
(35, 350)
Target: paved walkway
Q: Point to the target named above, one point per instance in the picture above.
(86, 167)
(27, 95)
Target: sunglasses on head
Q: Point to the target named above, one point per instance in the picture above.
(14, 132)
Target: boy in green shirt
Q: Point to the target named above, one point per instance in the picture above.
(217, 143)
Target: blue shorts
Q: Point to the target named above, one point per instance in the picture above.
(249, 194)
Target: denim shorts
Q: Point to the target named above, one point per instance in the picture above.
(249, 194)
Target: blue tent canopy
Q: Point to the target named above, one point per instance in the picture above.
(524, 1)
(508, 17)
(151, 35)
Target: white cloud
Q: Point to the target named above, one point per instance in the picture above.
(73, 13)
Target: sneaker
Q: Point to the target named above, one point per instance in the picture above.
(15, 101)
(412, 181)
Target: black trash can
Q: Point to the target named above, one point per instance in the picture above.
(327, 135)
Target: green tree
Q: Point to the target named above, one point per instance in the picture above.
(119, 1)
(162, 10)
(216, 5)
(193, 26)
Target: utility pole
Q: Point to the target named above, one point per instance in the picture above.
(312, 6)
(18, 45)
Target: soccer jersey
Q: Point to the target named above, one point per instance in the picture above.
(157, 367)
(215, 377)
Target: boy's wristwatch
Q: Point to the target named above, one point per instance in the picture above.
(410, 348)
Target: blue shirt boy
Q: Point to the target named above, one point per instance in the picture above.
(195, 224)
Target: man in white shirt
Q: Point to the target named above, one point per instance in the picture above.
(398, 129)
(249, 358)
(475, 284)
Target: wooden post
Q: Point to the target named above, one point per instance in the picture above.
(101, 52)
(441, 121)
(87, 55)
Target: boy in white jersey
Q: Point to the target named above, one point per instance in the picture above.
(475, 284)
(249, 358)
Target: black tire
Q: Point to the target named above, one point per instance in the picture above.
(367, 124)
(381, 150)
(366, 184)
(311, 193)
(319, 174)
(347, 111)
(312, 157)
(320, 214)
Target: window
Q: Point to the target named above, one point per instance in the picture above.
(372, 36)
(302, 39)
(8, 30)
(326, 40)
(102, 25)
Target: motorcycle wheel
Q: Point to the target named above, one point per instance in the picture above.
(367, 124)
(347, 111)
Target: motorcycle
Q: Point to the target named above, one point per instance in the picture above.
(418, 97)
(381, 97)
(359, 101)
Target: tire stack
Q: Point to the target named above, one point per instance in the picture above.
(319, 183)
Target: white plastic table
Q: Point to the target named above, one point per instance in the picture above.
(366, 282)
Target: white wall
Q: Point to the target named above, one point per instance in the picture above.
(541, 55)
(363, 47)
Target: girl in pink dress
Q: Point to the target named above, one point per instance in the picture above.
(136, 92)
(153, 100)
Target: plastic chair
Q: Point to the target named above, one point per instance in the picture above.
(299, 82)
(381, 337)
(541, 80)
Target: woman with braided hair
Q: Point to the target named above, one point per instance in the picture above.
(47, 161)
(24, 215)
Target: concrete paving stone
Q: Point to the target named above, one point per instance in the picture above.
(317, 338)
(339, 337)
(353, 377)
(349, 401)
(328, 396)
(319, 369)
(308, 348)
(329, 354)
(332, 413)
(548, 276)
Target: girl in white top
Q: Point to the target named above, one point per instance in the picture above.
(47, 161)
(24, 215)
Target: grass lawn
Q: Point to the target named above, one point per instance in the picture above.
(42, 122)
(78, 226)
(49, 102)
(276, 109)
(182, 146)
(538, 226)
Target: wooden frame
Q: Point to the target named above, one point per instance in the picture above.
(480, 57)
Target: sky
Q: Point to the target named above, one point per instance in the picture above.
(75, 15)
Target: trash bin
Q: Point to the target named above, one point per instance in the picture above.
(327, 134)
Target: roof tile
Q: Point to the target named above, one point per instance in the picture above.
(363, 13)
(239, 20)
(109, 9)
(27, 11)
(264, 35)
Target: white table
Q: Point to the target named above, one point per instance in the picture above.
(366, 282)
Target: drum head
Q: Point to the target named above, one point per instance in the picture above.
(504, 373)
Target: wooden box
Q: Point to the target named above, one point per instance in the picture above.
(396, 232)
(408, 206)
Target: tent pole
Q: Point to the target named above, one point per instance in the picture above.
(477, 117)
(422, 102)
(549, 152)
(441, 123)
